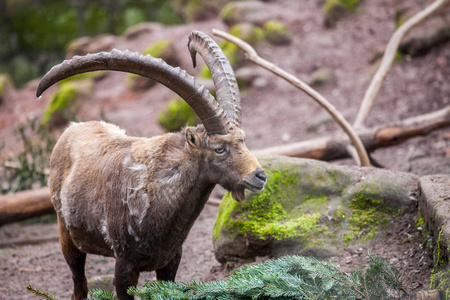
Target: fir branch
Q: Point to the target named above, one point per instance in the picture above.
(98, 294)
(40, 293)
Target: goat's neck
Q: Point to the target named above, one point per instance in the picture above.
(176, 190)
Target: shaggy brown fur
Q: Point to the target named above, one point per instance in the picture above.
(137, 198)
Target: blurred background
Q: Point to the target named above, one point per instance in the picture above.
(34, 34)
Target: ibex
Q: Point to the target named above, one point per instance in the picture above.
(136, 198)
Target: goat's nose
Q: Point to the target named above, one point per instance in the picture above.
(260, 174)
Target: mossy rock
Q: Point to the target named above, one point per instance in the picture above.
(65, 102)
(177, 115)
(335, 10)
(163, 49)
(440, 280)
(321, 77)
(310, 208)
(277, 33)
(5, 84)
(243, 11)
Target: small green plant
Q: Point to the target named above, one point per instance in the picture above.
(59, 103)
(177, 115)
(22, 171)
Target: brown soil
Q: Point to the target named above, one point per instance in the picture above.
(274, 113)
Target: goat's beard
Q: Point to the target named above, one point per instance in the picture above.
(238, 194)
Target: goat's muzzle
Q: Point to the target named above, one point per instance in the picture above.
(256, 180)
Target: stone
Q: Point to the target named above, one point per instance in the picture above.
(140, 29)
(335, 10)
(311, 207)
(104, 283)
(244, 11)
(85, 45)
(434, 207)
(163, 49)
(321, 77)
(277, 33)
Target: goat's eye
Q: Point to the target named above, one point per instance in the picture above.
(219, 150)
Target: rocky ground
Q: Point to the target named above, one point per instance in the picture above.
(274, 113)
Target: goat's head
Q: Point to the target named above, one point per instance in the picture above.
(228, 161)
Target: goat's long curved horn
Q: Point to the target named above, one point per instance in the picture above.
(197, 96)
(227, 89)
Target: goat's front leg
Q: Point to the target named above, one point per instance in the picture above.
(169, 272)
(126, 275)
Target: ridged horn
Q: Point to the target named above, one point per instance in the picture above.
(227, 90)
(196, 95)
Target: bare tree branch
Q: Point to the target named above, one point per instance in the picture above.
(252, 56)
(388, 59)
(334, 147)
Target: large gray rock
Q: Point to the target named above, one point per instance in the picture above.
(435, 207)
(311, 208)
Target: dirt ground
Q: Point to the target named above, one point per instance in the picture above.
(274, 113)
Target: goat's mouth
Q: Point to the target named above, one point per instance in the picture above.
(254, 186)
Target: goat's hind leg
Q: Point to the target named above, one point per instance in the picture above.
(76, 261)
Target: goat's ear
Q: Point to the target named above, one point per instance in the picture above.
(192, 138)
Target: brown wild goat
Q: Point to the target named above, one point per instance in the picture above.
(136, 198)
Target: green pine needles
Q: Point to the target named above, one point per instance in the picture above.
(289, 277)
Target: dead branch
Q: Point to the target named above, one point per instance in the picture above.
(388, 59)
(24, 205)
(334, 147)
(252, 56)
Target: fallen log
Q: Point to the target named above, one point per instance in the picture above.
(35, 203)
(335, 147)
(28, 241)
(24, 205)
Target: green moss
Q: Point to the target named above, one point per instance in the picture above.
(276, 32)
(347, 4)
(247, 32)
(177, 115)
(420, 221)
(85, 76)
(368, 214)
(59, 102)
(265, 214)
(229, 13)
(5, 81)
(157, 49)
(441, 281)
